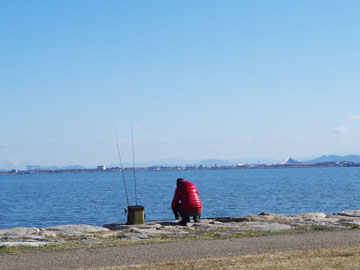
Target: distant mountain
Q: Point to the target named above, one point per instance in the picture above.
(74, 167)
(334, 158)
(213, 162)
(290, 161)
(255, 160)
(50, 168)
(173, 161)
(180, 161)
(54, 168)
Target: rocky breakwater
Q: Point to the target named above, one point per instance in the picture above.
(117, 233)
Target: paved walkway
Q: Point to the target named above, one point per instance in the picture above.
(153, 253)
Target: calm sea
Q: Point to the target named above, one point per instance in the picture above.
(99, 198)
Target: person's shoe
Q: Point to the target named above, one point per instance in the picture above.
(196, 219)
(184, 221)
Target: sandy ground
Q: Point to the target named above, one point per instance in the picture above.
(173, 251)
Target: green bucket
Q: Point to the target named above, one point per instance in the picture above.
(135, 215)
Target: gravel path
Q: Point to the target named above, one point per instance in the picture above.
(153, 253)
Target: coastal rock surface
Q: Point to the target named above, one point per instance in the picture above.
(218, 227)
(20, 232)
(349, 213)
(46, 236)
(72, 230)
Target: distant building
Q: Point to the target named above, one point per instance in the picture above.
(101, 168)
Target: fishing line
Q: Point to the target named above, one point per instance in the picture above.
(132, 142)
(121, 166)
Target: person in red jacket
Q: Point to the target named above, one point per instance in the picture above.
(186, 202)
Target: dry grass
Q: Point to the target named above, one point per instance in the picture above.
(340, 258)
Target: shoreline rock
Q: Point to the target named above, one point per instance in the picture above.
(222, 227)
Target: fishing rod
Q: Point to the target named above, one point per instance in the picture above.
(135, 212)
(133, 154)
(121, 166)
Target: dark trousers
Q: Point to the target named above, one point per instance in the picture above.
(186, 217)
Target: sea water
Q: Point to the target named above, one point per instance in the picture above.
(42, 200)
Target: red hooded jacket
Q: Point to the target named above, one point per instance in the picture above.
(188, 194)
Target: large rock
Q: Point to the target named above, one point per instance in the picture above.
(125, 227)
(73, 230)
(20, 232)
(23, 243)
(31, 243)
(133, 237)
(118, 227)
(349, 213)
(266, 226)
(282, 219)
(314, 215)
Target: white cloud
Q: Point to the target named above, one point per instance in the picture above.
(342, 130)
(354, 117)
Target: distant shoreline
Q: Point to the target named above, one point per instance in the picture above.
(189, 168)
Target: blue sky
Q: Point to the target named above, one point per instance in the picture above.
(198, 79)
